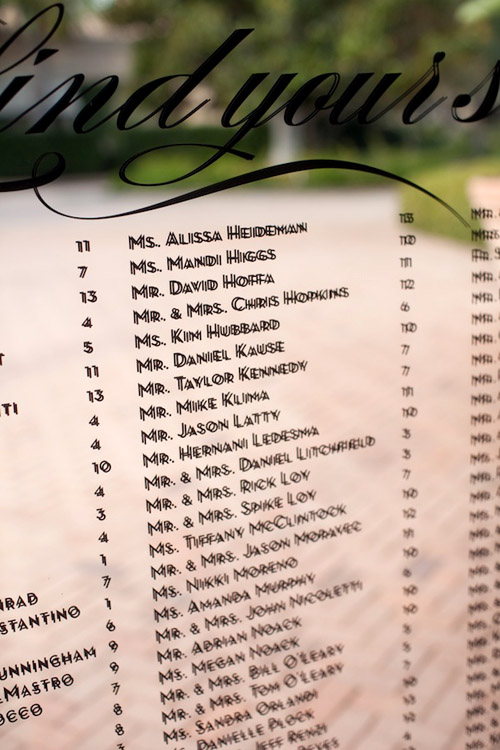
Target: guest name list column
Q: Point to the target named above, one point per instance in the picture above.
(230, 521)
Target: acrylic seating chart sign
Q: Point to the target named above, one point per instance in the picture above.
(249, 429)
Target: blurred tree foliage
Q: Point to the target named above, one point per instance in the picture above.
(304, 36)
(301, 36)
(478, 10)
(309, 38)
(74, 11)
